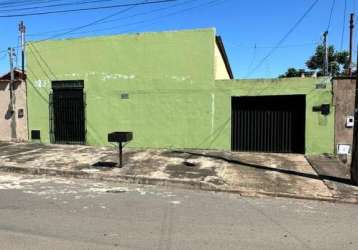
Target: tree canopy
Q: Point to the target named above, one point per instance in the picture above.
(338, 63)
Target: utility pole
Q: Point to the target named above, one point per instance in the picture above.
(11, 52)
(354, 162)
(12, 76)
(351, 29)
(325, 59)
(22, 30)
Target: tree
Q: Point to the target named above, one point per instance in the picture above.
(338, 63)
(292, 72)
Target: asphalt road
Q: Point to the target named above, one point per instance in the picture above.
(54, 213)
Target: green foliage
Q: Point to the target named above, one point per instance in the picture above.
(292, 72)
(338, 63)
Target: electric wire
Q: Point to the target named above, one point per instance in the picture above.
(80, 9)
(55, 5)
(101, 19)
(271, 46)
(34, 50)
(283, 39)
(153, 20)
(330, 15)
(117, 19)
(25, 3)
(153, 11)
(84, 26)
(253, 58)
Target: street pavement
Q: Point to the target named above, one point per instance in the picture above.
(38, 212)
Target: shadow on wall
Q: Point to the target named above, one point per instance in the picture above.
(9, 113)
(3, 86)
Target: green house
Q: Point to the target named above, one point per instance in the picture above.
(172, 90)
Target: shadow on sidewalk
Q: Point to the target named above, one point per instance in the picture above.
(279, 170)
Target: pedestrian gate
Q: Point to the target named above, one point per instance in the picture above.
(269, 124)
(67, 112)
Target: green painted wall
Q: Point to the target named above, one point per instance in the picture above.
(165, 74)
(174, 101)
(319, 128)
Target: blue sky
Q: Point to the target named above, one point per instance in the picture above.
(242, 25)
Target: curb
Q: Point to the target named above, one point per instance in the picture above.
(194, 185)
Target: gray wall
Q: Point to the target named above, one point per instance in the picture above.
(344, 101)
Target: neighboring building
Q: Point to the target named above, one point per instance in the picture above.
(344, 93)
(173, 90)
(13, 116)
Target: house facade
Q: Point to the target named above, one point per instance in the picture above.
(13, 114)
(172, 90)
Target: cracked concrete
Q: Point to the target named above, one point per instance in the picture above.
(288, 175)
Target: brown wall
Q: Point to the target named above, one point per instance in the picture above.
(13, 127)
(344, 101)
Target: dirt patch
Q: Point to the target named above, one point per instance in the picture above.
(190, 172)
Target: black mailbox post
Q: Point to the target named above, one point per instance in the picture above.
(120, 137)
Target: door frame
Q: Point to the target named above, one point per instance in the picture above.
(304, 121)
(66, 84)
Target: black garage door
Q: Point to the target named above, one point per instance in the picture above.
(269, 124)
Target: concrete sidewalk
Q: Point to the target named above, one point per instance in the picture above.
(250, 174)
(336, 176)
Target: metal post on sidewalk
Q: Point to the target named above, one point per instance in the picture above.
(120, 154)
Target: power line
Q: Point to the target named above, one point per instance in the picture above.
(90, 24)
(86, 25)
(102, 19)
(57, 5)
(330, 15)
(152, 11)
(253, 59)
(26, 3)
(213, 2)
(282, 40)
(117, 19)
(271, 46)
(153, 20)
(81, 9)
(78, 28)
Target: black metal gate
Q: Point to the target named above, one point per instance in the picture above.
(269, 124)
(67, 112)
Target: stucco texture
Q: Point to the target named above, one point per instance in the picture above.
(13, 126)
(319, 128)
(174, 100)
